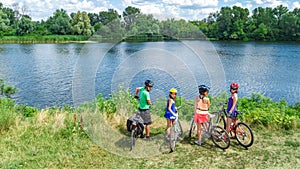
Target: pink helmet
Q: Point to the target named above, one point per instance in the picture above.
(234, 86)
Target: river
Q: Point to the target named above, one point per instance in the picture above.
(57, 74)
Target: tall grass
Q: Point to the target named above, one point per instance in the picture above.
(43, 39)
(57, 137)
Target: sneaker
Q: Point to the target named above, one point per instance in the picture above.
(148, 138)
(142, 136)
(167, 138)
(198, 143)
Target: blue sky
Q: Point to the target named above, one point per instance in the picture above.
(161, 9)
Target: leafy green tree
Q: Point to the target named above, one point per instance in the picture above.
(225, 23)
(4, 21)
(25, 26)
(41, 28)
(267, 17)
(81, 24)
(144, 24)
(279, 11)
(289, 27)
(59, 23)
(129, 15)
(113, 30)
(10, 15)
(261, 32)
(7, 21)
(180, 29)
(212, 30)
(108, 16)
(169, 28)
(94, 18)
(240, 19)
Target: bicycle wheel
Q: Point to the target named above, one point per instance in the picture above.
(133, 138)
(220, 137)
(173, 138)
(244, 134)
(221, 121)
(179, 130)
(193, 129)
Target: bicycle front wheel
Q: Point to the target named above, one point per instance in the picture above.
(221, 121)
(179, 130)
(193, 129)
(173, 138)
(244, 134)
(133, 139)
(220, 137)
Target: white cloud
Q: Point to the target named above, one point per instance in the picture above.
(271, 3)
(275, 3)
(238, 4)
(259, 2)
(202, 3)
(200, 14)
(295, 5)
(187, 9)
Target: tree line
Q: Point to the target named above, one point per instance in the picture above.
(230, 23)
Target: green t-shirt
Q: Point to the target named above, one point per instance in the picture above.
(144, 96)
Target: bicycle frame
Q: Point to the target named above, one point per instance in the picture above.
(175, 132)
(242, 131)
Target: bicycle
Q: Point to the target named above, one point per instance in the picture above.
(175, 132)
(135, 126)
(218, 135)
(241, 131)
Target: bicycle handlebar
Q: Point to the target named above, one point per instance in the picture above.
(191, 104)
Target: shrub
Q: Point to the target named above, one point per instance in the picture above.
(7, 115)
(26, 110)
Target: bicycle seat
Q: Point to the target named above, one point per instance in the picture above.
(211, 115)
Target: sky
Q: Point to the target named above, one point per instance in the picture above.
(161, 9)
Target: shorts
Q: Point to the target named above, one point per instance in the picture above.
(169, 116)
(146, 116)
(232, 115)
(201, 118)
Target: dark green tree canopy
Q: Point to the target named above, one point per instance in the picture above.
(230, 23)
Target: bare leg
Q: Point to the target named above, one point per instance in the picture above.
(168, 127)
(148, 130)
(199, 131)
(228, 123)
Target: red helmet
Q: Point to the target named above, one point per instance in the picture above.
(234, 86)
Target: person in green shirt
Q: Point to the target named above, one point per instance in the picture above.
(142, 93)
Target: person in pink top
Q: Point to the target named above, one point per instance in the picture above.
(201, 107)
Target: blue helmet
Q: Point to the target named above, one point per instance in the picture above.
(203, 88)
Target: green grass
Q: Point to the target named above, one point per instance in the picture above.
(43, 39)
(54, 138)
(50, 139)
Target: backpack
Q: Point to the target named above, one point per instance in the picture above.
(139, 122)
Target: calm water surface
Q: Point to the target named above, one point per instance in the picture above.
(57, 74)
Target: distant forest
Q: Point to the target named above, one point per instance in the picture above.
(230, 23)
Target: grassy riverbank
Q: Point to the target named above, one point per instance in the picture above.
(43, 39)
(76, 138)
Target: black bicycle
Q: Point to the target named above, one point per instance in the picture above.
(135, 126)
